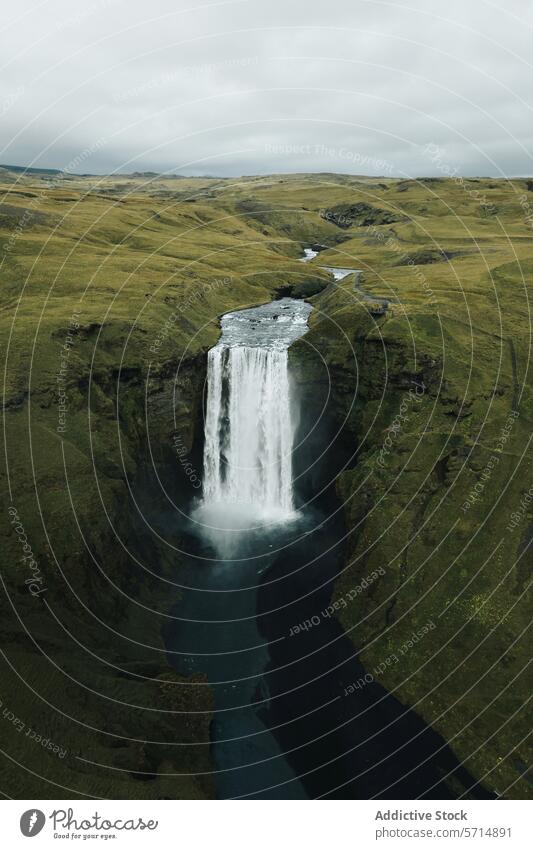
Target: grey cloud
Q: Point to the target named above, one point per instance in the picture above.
(258, 87)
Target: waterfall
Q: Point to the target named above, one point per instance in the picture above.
(249, 430)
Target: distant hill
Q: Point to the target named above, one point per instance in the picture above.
(20, 169)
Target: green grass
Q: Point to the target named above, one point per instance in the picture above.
(132, 255)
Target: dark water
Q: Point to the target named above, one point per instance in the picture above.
(218, 630)
(283, 727)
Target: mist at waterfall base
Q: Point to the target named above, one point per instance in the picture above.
(249, 430)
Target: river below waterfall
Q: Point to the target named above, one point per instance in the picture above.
(261, 565)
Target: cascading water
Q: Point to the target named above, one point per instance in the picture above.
(248, 431)
(248, 428)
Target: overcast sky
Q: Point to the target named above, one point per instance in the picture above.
(262, 86)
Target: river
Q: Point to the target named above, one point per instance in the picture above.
(261, 564)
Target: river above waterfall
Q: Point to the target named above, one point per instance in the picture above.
(274, 325)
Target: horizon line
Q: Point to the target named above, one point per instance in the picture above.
(149, 173)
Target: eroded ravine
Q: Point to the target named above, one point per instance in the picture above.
(264, 552)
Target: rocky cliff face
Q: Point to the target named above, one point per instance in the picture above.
(87, 668)
(438, 627)
(359, 215)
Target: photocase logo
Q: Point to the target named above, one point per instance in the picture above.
(32, 822)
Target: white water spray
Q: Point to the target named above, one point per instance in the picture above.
(249, 431)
